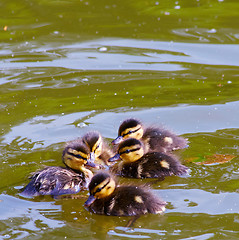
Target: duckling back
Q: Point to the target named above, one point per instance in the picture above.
(55, 181)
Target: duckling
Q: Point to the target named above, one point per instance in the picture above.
(138, 164)
(63, 180)
(109, 199)
(100, 151)
(155, 139)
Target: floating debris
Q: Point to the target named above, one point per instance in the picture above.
(211, 159)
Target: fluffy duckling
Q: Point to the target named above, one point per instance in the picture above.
(63, 180)
(100, 151)
(155, 139)
(109, 199)
(138, 164)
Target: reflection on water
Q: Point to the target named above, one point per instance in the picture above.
(20, 218)
(74, 66)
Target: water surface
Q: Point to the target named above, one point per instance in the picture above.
(68, 67)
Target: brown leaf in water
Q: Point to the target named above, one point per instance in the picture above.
(211, 159)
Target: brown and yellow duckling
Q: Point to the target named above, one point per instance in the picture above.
(138, 164)
(154, 138)
(109, 199)
(63, 180)
(100, 151)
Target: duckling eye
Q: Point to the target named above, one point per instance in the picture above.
(97, 190)
(126, 151)
(79, 156)
(97, 147)
(125, 134)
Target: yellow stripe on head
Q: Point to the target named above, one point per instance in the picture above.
(73, 161)
(133, 132)
(97, 144)
(78, 153)
(104, 188)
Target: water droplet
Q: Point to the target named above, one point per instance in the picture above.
(103, 49)
(213, 30)
(81, 125)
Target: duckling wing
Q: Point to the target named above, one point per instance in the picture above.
(54, 181)
(162, 140)
(133, 200)
(152, 165)
(155, 164)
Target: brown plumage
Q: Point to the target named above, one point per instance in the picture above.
(154, 138)
(109, 199)
(56, 181)
(138, 164)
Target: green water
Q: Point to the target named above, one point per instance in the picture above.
(68, 67)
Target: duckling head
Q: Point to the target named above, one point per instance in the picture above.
(94, 141)
(130, 150)
(101, 186)
(76, 155)
(130, 128)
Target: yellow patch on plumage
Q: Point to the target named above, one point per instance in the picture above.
(67, 186)
(112, 204)
(161, 210)
(146, 144)
(139, 169)
(138, 199)
(148, 175)
(168, 140)
(164, 164)
(120, 212)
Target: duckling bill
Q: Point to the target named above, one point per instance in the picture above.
(138, 164)
(107, 198)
